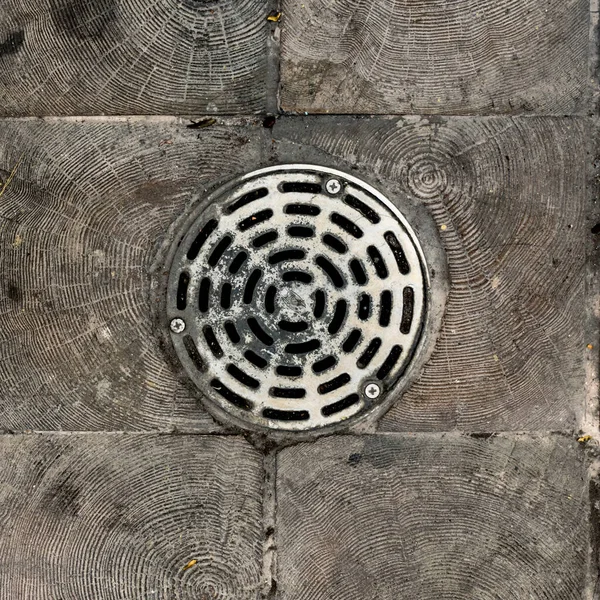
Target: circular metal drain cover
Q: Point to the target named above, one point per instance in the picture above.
(296, 298)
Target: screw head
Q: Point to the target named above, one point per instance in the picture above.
(177, 325)
(372, 390)
(333, 186)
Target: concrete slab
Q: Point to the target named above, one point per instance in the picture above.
(82, 217)
(74, 57)
(458, 57)
(121, 516)
(432, 516)
(509, 198)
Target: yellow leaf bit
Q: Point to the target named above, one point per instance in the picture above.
(274, 17)
(190, 564)
(584, 439)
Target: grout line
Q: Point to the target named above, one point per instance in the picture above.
(273, 60)
(245, 119)
(269, 565)
(594, 63)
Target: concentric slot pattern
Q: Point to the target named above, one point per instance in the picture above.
(294, 299)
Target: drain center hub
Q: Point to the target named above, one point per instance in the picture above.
(287, 299)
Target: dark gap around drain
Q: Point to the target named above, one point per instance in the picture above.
(259, 332)
(303, 347)
(270, 299)
(230, 395)
(334, 384)
(264, 239)
(201, 238)
(378, 262)
(237, 262)
(251, 285)
(243, 377)
(212, 341)
(347, 225)
(285, 415)
(293, 326)
(398, 252)
(335, 243)
(301, 187)
(192, 350)
(279, 392)
(331, 271)
(232, 332)
(340, 405)
(358, 271)
(300, 276)
(339, 316)
(300, 231)
(256, 219)
(204, 295)
(362, 208)
(324, 364)
(288, 371)
(219, 249)
(364, 307)
(352, 340)
(182, 288)
(226, 295)
(408, 306)
(302, 209)
(319, 308)
(367, 356)
(247, 199)
(390, 362)
(255, 359)
(283, 255)
(385, 308)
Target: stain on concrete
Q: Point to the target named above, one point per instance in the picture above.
(81, 19)
(12, 43)
(63, 498)
(14, 292)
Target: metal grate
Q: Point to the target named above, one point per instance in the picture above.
(296, 298)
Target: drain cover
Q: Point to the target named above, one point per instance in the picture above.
(296, 298)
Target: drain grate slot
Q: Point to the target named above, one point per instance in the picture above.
(390, 362)
(362, 208)
(408, 297)
(285, 415)
(182, 288)
(293, 293)
(247, 199)
(368, 355)
(340, 405)
(230, 395)
(398, 253)
(347, 225)
(301, 187)
(310, 210)
(201, 238)
(278, 392)
(193, 353)
(255, 220)
(334, 384)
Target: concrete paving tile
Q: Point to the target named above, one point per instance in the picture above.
(83, 217)
(432, 517)
(440, 57)
(121, 516)
(74, 57)
(509, 199)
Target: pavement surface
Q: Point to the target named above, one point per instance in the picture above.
(479, 119)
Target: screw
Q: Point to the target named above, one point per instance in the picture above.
(177, 325)
(372, 390)
(333, 186)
